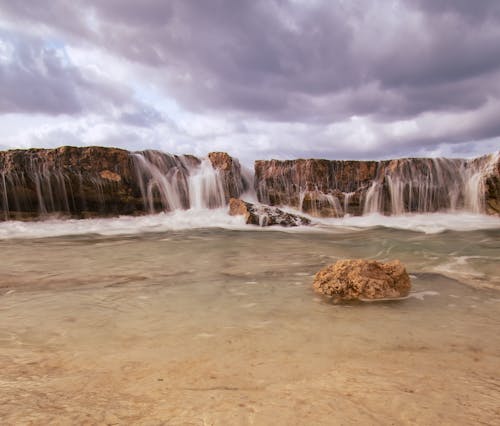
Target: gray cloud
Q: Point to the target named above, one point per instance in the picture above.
(311, 62)
(36, 78)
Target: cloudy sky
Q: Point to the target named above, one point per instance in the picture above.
(258, 79)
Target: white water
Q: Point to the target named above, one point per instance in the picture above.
(426, 185)
(430, 223)
(169, 182)
(219, 218)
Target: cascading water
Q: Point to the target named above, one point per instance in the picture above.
(429, 185)
(393, 187)
(206, 187)
(171, 182)
(162, 179)
(93, 181)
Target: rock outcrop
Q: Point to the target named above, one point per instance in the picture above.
(98, 181)
(317, 187)
(229, 168)
(352, 279)
(492, 187)
(78, 182)
(264, 215)
(331, 188)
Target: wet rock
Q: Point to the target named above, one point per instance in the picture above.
(333, 188)
(317, 187)
(351, 279)
(264, 215)
(230, 169)
(67, 181)
(492, 185)
(83, 182)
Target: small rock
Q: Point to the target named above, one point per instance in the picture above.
(351, 279)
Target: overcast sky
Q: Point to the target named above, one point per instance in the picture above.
(258, 79)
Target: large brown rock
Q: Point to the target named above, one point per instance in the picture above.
(332, 188)
(315, 186)
(230, 169)
(351, 279)
(95, 181)
(264, 215)
(492, 185)
(68, 181)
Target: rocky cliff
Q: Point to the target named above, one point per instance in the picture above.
(97, 181)
(317, 187)
(492, 188)
(78, 182)
(234, 181)
(335, 188)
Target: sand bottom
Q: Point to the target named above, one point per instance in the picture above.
(244, 342)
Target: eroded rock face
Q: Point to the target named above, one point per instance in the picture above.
(351, 279)
(317, 187)
(264, 215)
(332, 188)
(492, 187)
(230, 170)
(68, 181)
(83, 182)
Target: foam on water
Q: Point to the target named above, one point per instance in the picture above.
(219, 218)
(431, 223)
(176, 220)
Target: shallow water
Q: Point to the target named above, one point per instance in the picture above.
(220, 326)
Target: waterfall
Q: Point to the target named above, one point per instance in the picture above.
(162, 179)
(430, 185)
(318, 203)
(373, 201)
(170, 182)
(95, 181)
(206, 187)
(347, 198)
(391, 187)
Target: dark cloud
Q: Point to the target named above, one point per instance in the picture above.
(312, 62)
(472, 11)
(142, 116)
(35, 77)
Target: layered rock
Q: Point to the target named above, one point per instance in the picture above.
(492, 186)
(317, 187)
(97, 181)
(229, 168)
(73, 181)
(334, 188)
(264, 215)
(351, 279)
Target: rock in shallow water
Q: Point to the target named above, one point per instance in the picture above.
(351, 279)
(264, 215)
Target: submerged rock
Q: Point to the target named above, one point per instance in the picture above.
(351, 279)
(264, 215)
